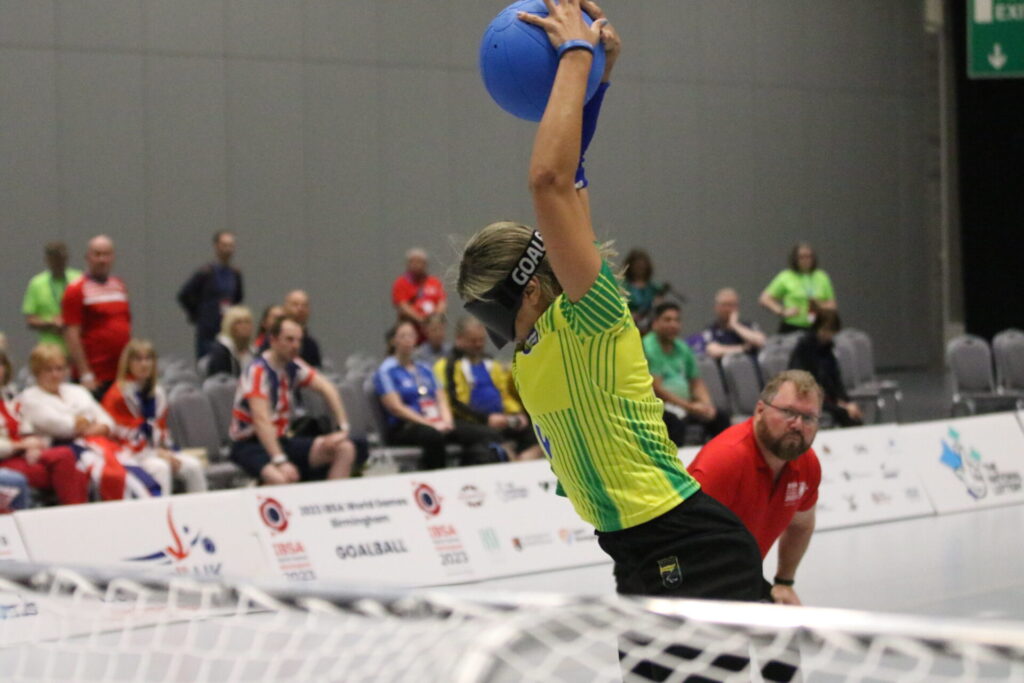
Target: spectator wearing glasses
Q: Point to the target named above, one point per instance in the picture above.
(766, 472)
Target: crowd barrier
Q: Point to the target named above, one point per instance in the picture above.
(470, 524)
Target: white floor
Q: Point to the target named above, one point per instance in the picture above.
(964, 565)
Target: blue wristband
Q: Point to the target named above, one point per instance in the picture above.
(591, 111)
(578, 44)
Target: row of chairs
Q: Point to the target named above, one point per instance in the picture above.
(736, 386)
(200, 417)
(986, 377)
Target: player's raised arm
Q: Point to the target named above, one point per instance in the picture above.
(563, 218)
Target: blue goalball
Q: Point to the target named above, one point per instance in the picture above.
(518, 62)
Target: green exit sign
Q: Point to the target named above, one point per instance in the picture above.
(995, 38)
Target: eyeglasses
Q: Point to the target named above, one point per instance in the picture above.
(790, 414)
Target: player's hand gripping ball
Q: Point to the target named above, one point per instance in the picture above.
(518, 62)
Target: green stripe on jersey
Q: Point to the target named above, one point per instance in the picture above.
(586, 383)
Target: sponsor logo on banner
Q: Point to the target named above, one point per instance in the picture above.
(427, 499)
(527, 541)
(293, 560)
(449, 547)
(273, 515)
(548, 485)
(188, 551)
(489, 539)
(570, 536)
(978, 476)
(471, 496)
(356, 551)
(17, 610)
(291, 556)
(509, 491)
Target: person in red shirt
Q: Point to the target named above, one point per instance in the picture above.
(97, 318)
(766, 472)
(416, 293)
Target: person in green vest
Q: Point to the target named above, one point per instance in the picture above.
(800, 291)
(41, 305)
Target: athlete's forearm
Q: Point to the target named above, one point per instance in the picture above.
(792, 545)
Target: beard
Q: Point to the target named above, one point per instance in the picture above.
(789, 445)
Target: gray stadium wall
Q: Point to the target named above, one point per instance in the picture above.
(331, 135)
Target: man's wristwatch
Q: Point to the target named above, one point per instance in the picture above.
(784, 582)
(279, 459)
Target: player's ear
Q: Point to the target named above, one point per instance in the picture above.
(532, 291)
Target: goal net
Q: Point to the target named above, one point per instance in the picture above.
(61, 624)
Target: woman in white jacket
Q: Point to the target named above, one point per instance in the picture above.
(69, 415)
(138, 406)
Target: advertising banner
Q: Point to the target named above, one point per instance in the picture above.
(425, 528)
(11, 547)
(865, 478)
(205, 534)
(396, 530)
(517, 524)
(968, 463)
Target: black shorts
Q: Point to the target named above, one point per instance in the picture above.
(698, 549)
(252, 457)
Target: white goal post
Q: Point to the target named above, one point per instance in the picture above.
(63, 624)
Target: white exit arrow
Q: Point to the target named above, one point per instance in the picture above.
(997, 58)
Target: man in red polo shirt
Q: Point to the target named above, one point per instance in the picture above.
(97, 318)
(416, 294)
(766, 472)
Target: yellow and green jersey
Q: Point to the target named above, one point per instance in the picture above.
(583, 378)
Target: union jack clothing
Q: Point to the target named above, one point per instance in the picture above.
(139, 421)
(277, 386)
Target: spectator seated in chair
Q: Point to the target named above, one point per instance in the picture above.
(138, 406)
(418, 414)
(728, 333)
(263, 410)
(479, 390)
(231, 351)
(31, 458)
(296, 307)
(69, 415)
(677, 379)
(436, 345)
(815, 353)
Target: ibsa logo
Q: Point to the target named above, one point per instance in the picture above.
(427, 499)
(274, 515)
(185, 552)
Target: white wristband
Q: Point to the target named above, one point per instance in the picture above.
(279, 459)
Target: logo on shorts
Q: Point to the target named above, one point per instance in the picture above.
(671, 575)
(427, 499)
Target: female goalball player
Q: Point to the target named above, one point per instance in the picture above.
(579, 363)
